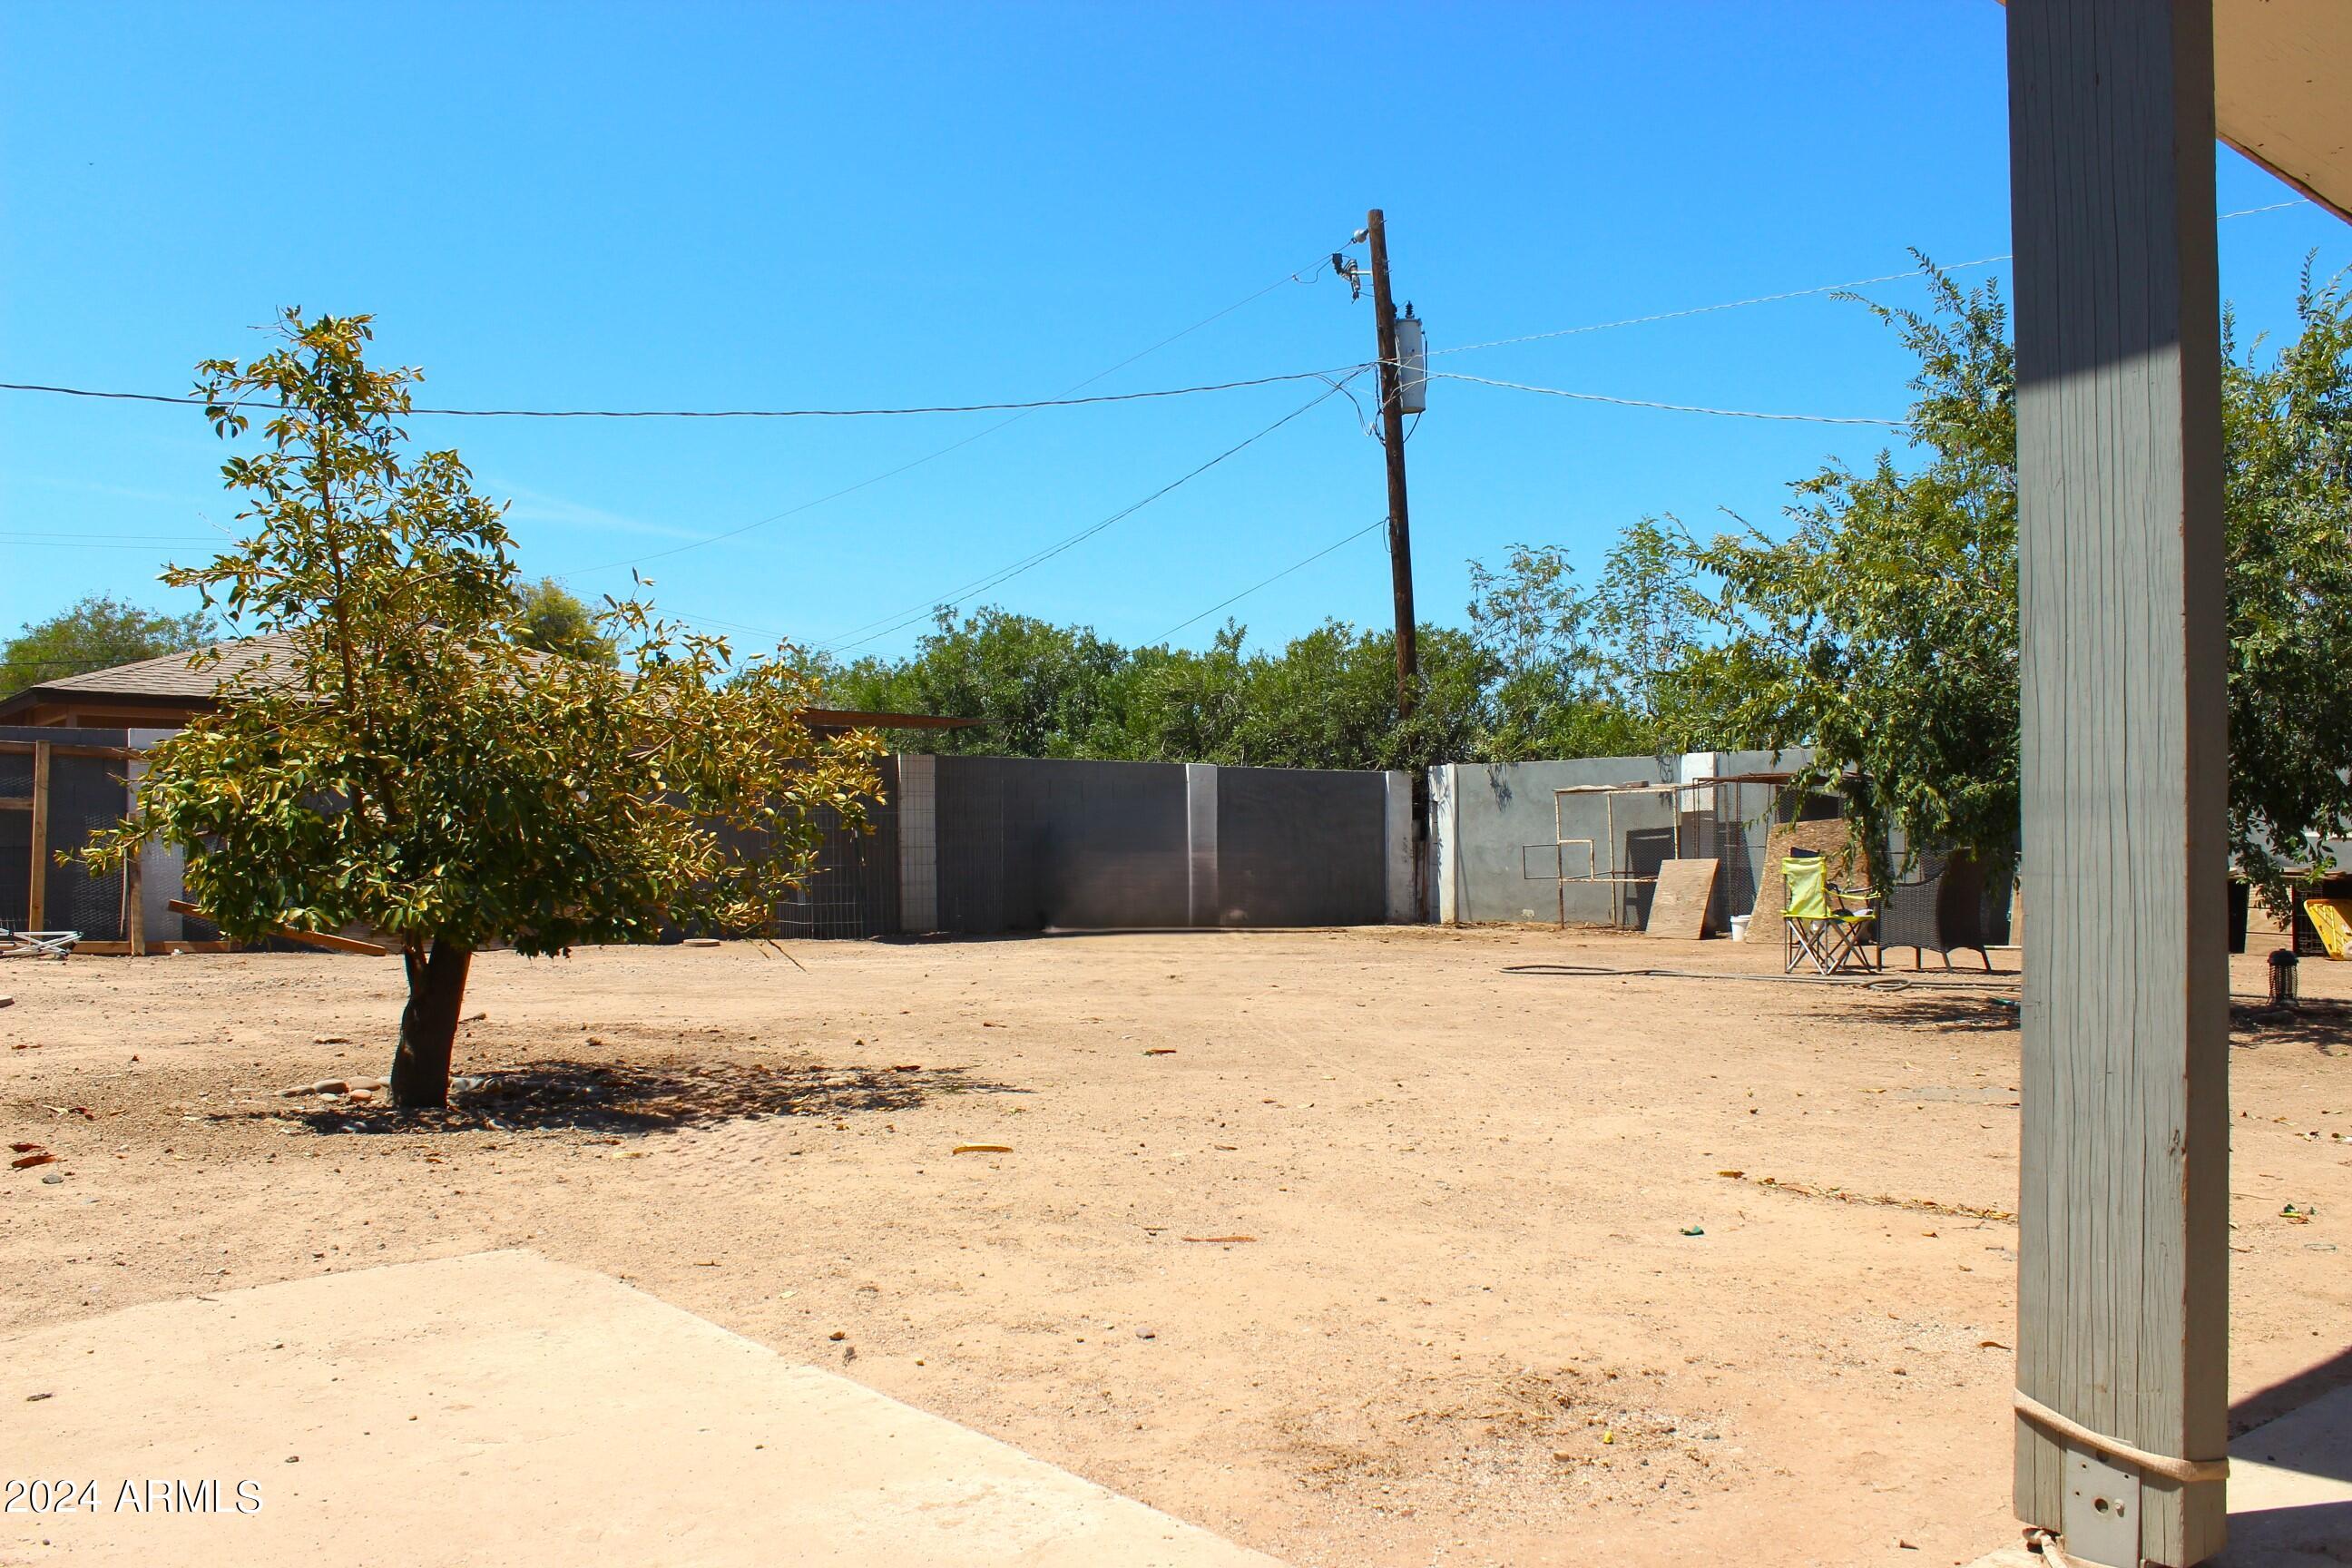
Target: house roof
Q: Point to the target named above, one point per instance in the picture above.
(2279, 91)
(169, 682)
(167, 678)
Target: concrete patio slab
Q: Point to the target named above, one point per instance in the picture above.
(502, 1408)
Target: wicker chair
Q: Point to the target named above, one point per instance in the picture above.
(1942, 913)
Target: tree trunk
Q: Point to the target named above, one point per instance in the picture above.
(428, 1026)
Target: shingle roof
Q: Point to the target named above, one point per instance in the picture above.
(168, 680)
(169, 677)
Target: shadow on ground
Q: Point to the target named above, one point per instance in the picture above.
(603, 1097)
(2322, 1026)
(1968, 1013)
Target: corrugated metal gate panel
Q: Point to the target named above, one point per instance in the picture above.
(1029, 844)
(1301, 848)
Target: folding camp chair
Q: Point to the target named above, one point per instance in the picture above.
(57, 944)
(1823, 921)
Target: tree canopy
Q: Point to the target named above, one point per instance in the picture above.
(1325, 700)
(96, 631)
(424, 772)
(553, 619)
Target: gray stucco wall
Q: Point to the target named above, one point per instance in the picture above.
(1492, 825)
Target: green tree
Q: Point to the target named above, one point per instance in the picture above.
(1627, 667)
(1885, 627)
(96, 632)
(420, 773)
(1883, 631)
(2288, 468)
(553, 619)
(1328, 699)
(1042, 690)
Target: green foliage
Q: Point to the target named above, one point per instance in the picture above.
(1882, 632)
(553, 619)
(1326, 699)
(1621, 669)
(419, 769)
(1042, 691)
(96, 632)
(2287, 450)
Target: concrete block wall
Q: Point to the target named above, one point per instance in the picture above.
(1008, 844)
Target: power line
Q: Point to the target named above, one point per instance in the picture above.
(1793, 293)
(902, 618)
(1301, 275)
(1709, 309)
(1376, 523)
(727, 413)
(1671, 408)
(88, 544)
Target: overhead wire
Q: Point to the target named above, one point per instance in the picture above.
(897, 620)
(1920, 272)
(1670, 407)
(1030, 406)
(1303, 274)
(1377, 523)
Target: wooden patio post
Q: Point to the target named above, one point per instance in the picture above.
(2123, 1277)
(37, 897)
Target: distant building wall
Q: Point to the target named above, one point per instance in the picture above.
(1493, 834)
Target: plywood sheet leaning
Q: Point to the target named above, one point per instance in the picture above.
(1678, 905)
(1830, 838)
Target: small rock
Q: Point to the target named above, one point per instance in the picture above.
(52, 1180)
(1146, 1335)
(837, 1335)
(37, 1398)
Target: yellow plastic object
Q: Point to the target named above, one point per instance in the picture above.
(1808, 887)
(2332, 918)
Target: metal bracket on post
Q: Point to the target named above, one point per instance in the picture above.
(2101, 1517)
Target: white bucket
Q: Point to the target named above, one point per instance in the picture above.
(1739, 928)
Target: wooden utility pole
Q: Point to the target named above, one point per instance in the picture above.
(2124, 1258)
(1408, 657)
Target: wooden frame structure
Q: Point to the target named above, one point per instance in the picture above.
(36, 895)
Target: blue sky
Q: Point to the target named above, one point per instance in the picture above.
(706, 206)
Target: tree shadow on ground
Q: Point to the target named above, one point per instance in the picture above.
(621, 1098)
(1970, 1014)
(2322, 1026)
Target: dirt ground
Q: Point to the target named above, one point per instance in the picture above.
(1352, 1246)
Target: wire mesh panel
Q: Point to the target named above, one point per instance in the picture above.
(15, 841)
(855, 891)
(85, 794)
(82, 794)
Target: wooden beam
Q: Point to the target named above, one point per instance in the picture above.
(123, 949)
(37, 898)
(2124, 1263)
(67, 748)
(321, 939)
